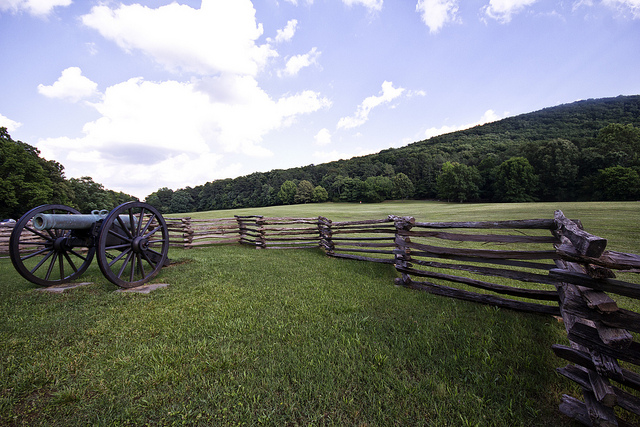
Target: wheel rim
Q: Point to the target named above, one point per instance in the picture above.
(46, 257)
(133, 244)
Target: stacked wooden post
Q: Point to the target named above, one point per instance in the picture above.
(205, 232)
(597, 328)
(326, 235)
(422, 247)
(251, 229)
(5, 235)
(351, 239)
(291, 233)
(180, 232)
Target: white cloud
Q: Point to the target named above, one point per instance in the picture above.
(323, 137)
(487, 117)
(174, 134)
(372, 5)
(34, 7)
(436, 13)
(389, 93)
(502, 10)
(219, 37)
(11, 125)
(298, 62)
(71, 85)
(625, 6)
(287, 33)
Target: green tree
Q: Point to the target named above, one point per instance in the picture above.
(556, 163)
(623, 139)
(378, 189)
(287, 192)
(402, 186)
(304, 192)
(320, 195)
(181, 201)
(24, 183)
(161, 199)
(459, 182)
(515, 181)
(617, 183)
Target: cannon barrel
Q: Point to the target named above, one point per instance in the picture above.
(73, 222)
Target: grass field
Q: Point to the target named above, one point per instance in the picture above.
(247, 337)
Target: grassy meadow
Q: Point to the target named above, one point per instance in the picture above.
(248, 337)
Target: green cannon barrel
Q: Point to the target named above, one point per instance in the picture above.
(74, 221)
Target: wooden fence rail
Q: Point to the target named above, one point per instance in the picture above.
(548, 266)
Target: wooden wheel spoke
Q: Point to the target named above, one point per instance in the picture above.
(124, 227)
(140, 265)
(128, 238)
(42, 261)
(146, 227)
(48, 238)
(124, 265)
(132, 272)
(119, 257)
(51, 265)
(70, 261)
(24, 258)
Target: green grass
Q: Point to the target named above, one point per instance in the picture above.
(249, 337)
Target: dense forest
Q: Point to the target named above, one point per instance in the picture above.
(27, 180)
(586, 150)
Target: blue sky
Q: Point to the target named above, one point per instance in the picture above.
(149, 94)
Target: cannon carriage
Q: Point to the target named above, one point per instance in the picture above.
(54, 244)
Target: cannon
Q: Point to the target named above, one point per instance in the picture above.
(54, 244)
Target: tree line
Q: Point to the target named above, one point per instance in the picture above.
(27, 180)
(587, 150)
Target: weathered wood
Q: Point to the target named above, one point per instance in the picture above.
(586, 244)
(600, 414)
(482, 298)
(621, 375)
(605, 285)
(482, 253)
(509, 262)
(363, 258)
(621, 318)
(589, 379)
(545, 224)
(491, 238)
(588, 336)
(610, 259)
(501, 289)
(490, 271)
(574, 408)
(337, 248)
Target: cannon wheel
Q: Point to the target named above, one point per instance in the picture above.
(45, 257)
(133, 244)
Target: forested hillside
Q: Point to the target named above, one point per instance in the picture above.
(27, 181)
(586, 150)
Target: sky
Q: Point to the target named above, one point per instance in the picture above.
(141, 95)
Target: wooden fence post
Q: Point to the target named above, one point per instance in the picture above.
(326, 241)
(402, 254)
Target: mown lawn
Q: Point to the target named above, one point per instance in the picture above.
(249, 337)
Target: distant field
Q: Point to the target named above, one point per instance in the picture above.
(288, 337)
(619, 222)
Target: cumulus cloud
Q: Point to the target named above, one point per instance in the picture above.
(388, 94)
(298, 62)
(503, 10)
(287, 33)
(372, 5)
(219, 37)
(437, 13)
(625, 6)
(34, 7)
(175, 133)
(323, 137)
(487, 117)
(11, 125)
(71, 85)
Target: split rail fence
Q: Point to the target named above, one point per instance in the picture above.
(547, 266)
